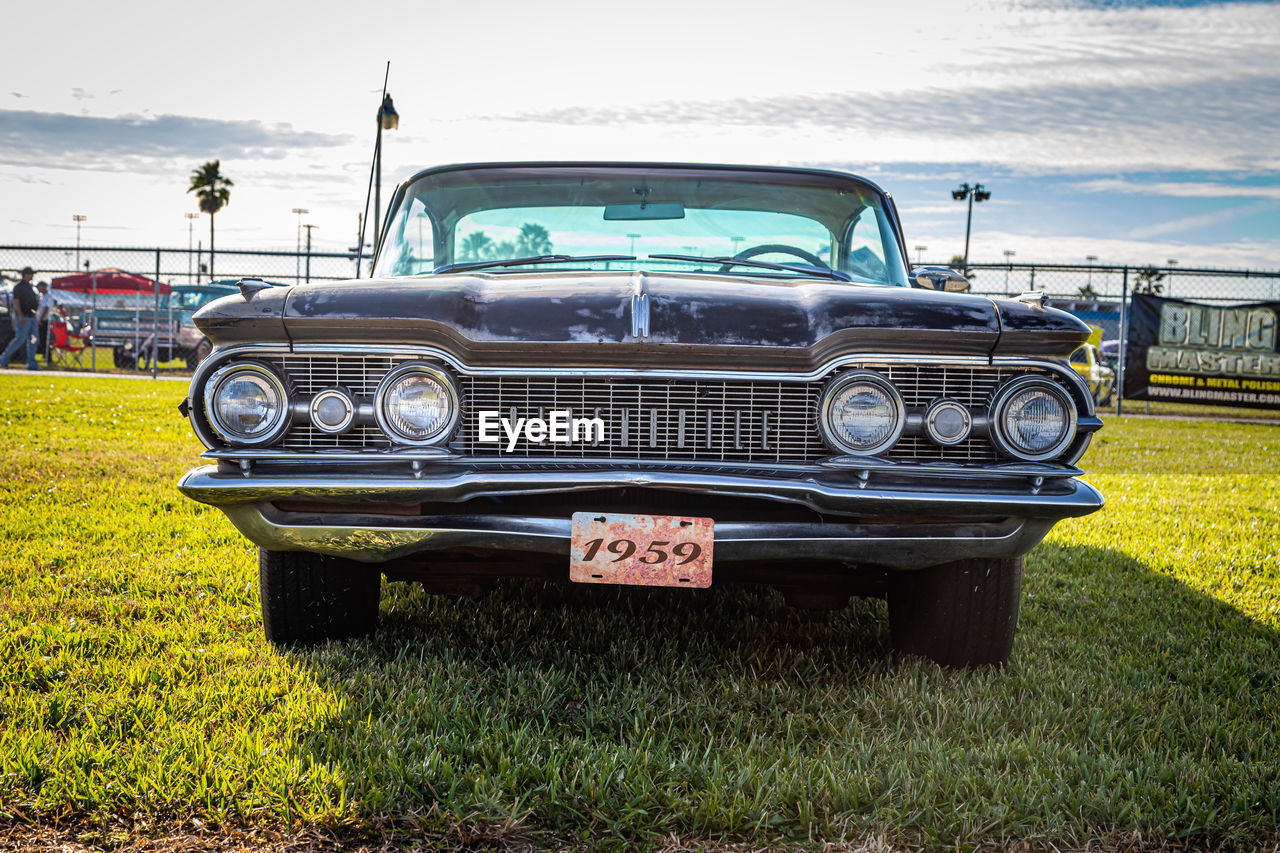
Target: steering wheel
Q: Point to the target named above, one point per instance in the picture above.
(770, 248)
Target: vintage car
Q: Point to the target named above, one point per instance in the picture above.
(1097, 373)
(670, 375)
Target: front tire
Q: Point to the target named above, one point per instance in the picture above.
(958, 614)
(310, 598)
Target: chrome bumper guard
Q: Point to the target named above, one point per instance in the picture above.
(957, 522)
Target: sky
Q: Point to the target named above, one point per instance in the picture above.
(1132, 131)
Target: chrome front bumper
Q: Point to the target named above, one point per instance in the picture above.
(865, 519)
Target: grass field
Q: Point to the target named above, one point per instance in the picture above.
(135, 684)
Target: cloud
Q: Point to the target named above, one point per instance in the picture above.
(1222, 122)
(1202, 220)
(1198, 189)
(60, 140)
(80, 94)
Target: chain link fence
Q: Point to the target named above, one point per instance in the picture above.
(1097, 294)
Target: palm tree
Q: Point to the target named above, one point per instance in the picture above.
(533, 240)
(475, 246)
(1148, 281)
(211, 188)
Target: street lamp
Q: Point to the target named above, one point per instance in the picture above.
(309, 228)
(388, 119)
(1008, 253)
(920, 250)
(297, 246)
(78, 219)
(191, 221)
(972, 193)
(633, 238)
(1168, 284)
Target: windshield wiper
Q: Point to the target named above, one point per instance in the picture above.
(804, 269)
(534, 259)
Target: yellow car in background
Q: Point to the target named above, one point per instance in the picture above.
(1097, 372)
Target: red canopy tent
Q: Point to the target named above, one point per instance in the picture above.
(110, 281)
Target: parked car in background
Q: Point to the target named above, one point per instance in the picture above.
(190, 343)
(1096, 370)
(644, 374)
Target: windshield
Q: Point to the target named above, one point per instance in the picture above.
(793, 224)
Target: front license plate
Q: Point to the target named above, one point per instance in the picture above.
(641, 550)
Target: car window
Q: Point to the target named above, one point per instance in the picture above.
(493, 214)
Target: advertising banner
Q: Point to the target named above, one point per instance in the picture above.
(1189, 352)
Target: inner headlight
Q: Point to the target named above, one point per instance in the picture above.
(862, 414)
(247, 404)
(417, 404)
(1034, 419)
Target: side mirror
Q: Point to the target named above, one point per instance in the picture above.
(939, 278)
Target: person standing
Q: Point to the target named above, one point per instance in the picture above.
(44, 313)
(23, 314)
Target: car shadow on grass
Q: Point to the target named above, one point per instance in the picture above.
(1132, 702)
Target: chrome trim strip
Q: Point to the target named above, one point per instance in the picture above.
(319, 455)
(827, 492)
(363, 538)
(399, 455)
(776, 376)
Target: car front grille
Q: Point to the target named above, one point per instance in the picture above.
(677, 419)
(691, 419)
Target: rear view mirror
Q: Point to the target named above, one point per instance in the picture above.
(939, 278)
(658, 210)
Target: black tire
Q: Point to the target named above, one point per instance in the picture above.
(123, 360)
(309, 598)
(957, 614)
(199, 354)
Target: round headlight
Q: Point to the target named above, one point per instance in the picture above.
(947, 423)
(1034, 419)
(862, 414)
(332, 411)
(247, 404)
(416, 404)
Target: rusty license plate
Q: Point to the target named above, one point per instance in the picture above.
(641, 550)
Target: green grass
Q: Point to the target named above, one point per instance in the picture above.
(1144, 694)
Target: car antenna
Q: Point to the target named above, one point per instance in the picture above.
(373, 162)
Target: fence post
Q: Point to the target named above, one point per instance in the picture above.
(93, 329)
(1124, 339)
(155, 322)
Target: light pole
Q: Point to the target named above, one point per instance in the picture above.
(297, 246)
(388, 119)
(920, 250)
(67, 259)
(191, 221)
(78, 219)
(633, 238)
(309, 228)
(1008, 253)
(1168, 286)
(972, 193)
(737, 241)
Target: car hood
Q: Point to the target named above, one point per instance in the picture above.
(611, 318)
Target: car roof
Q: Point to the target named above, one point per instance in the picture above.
(832, 175)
